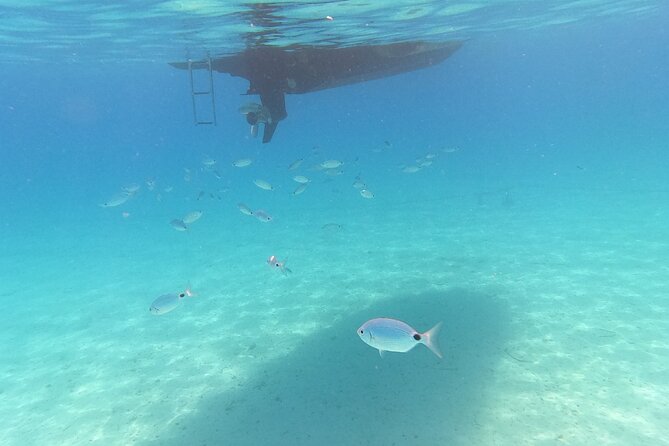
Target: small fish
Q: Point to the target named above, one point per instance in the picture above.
(217, 174)
(333, 227)
(301, 179)
(179, 225)
(192, 217)
(244, 209)
(366, 193)
(116, 200)
(331, 164)
(209, 162)
(262, 216)
(262, 184)
(151, 184)
(450, 149)
(430, 156)
(410, 169)
(243, 162)
(131, 189)
(200, 195)
(425, 163)
(300, 189)
(277, 264)
(358, 183)
(392, 335)
(295, 164)
(168, 302)
(333, 172)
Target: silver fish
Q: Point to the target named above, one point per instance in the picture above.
(410, 169)
(359, 184)
(131, 189)
(331, 164)
(332, 227)
(244, 209)
(179, 225)
(192, 217)
(262, 184)
(300, 189)
(333, 172)
(392, 335)
(301, 179)
(168, 302)
(295, 164)
(262, 216)
(116, 200)
(243, 162)
(366, 193)
(279, 265)
(209, 162)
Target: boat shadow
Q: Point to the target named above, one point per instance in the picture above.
(334, 389)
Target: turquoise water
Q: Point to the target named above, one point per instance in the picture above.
(538, 235)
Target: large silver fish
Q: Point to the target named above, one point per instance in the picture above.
(168, 302)
(392, 335)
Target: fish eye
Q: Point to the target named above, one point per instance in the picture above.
(362, 331)
(182, 294)
(416, 337)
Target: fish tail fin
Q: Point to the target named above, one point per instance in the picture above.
(431, 341)
(189, 291)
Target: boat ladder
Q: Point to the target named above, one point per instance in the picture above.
(202, 92)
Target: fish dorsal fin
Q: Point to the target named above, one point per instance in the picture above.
(382, 353)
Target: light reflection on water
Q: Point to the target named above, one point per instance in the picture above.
(73, 31)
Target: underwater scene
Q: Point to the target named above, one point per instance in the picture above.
(334, 223)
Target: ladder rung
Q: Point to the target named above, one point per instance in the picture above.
(204, 122)
(201, 92)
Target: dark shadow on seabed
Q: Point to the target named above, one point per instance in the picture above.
(335, 390)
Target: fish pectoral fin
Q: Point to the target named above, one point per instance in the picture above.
(382, 353)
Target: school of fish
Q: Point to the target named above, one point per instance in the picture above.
(382, 333)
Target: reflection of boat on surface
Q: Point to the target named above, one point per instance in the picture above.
(274, 72)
